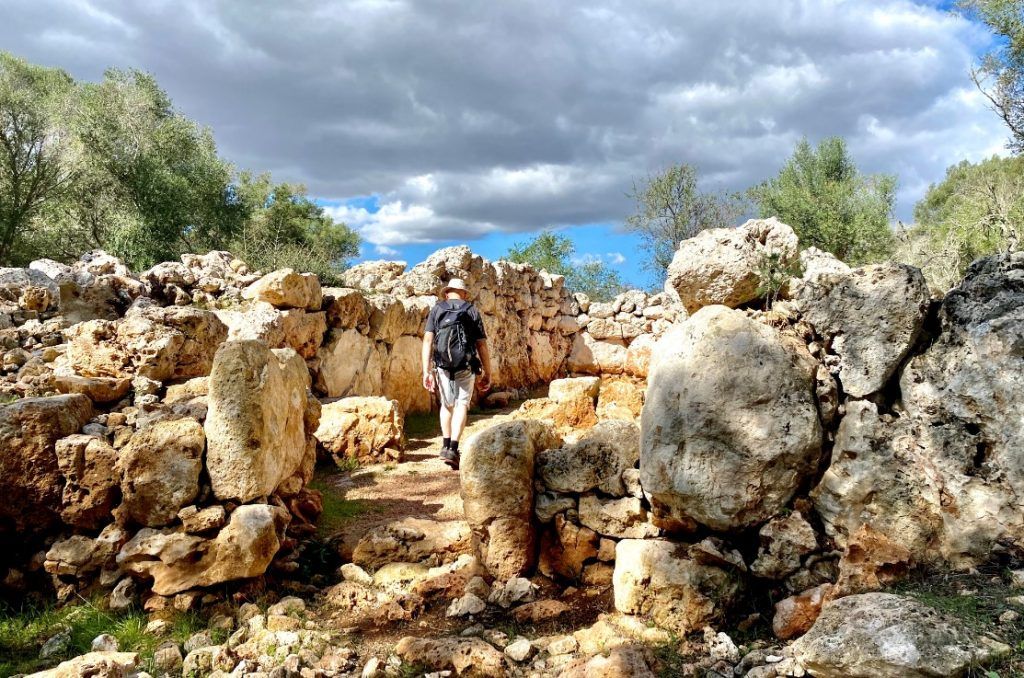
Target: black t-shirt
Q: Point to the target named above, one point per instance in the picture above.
(476, 324)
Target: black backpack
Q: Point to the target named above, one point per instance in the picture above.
(454, 351)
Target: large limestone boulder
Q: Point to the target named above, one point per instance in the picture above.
(159, 470)
(730, 426)
(294, 328)
(464, 656)
(596, 461)
(869, 318)
(882, 635)
(30, 476)
(91, 483)
(661, 580)
(876, 478)
(366, 429)
(346, 308)
(177, 561)
(161, 343)
(972, 377)
(592, 356)
(497, 490)
(945, 479)
(721, 265)
(403, 375)
(258, 420)
(286, 288)
(351, 364)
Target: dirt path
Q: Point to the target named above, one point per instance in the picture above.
(421, 486)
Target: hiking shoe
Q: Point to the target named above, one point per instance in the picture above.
(451, 458)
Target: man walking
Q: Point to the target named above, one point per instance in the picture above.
(454, 355)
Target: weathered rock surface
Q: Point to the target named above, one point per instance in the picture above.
(258, 420)
(28, 290)
(881, 635)
(784, 542)
(286, 288)
(660, 579)
(496, 477)
(413, 540)
(91, 486)
(159, 470)
(596, 461)
(870, 317)
(366, 429)
(721, 265)
(466, 656)
(161, 343)
(177, 561)
(351, 364)
(94, 664)
(30, 476)
(727, 397)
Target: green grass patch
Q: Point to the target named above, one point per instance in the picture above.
(422, 425)
(979, 610)
(24, 630)
(337, 509)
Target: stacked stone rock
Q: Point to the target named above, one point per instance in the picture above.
(916, 399)
(377, 322)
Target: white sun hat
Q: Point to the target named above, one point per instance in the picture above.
(456, 284)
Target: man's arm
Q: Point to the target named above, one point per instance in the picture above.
(428, 346)
(485, 362)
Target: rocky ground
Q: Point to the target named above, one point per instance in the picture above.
(212, 471)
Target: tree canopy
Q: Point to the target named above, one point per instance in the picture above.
(670, 208)
(1000, 74)
(977, 210)
(113, 165)
(554, 253)
(830, 204)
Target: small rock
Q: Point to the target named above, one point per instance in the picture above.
(1016, 600)
(563, 645)
(57, 644)
(540, 611)
(498, 639)
(474, 630)
(104, 643)
(372, 667)
(198, 640)
(515, 590)
(466, 605)
(123, 595)
(355, 574)
(1009, 617)
(167, 658)
(519, 650)
(720, 646)
(1017, 579)
(158, 627)
(289, 606)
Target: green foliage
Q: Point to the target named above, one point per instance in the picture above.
(773, 273)
(286, 229)
(830, 204)
(670, 208)
(977, 210)
(553, 253)
(24, 630)
(113, 165)
(34, 147)
(1000, 74)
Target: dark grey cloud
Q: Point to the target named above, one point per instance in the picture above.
(469, 117)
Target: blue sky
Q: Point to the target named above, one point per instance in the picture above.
(424, 123)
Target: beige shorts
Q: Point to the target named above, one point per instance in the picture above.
(457, 391)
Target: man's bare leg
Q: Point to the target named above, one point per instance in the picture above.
(446, 422)
(458, 422)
